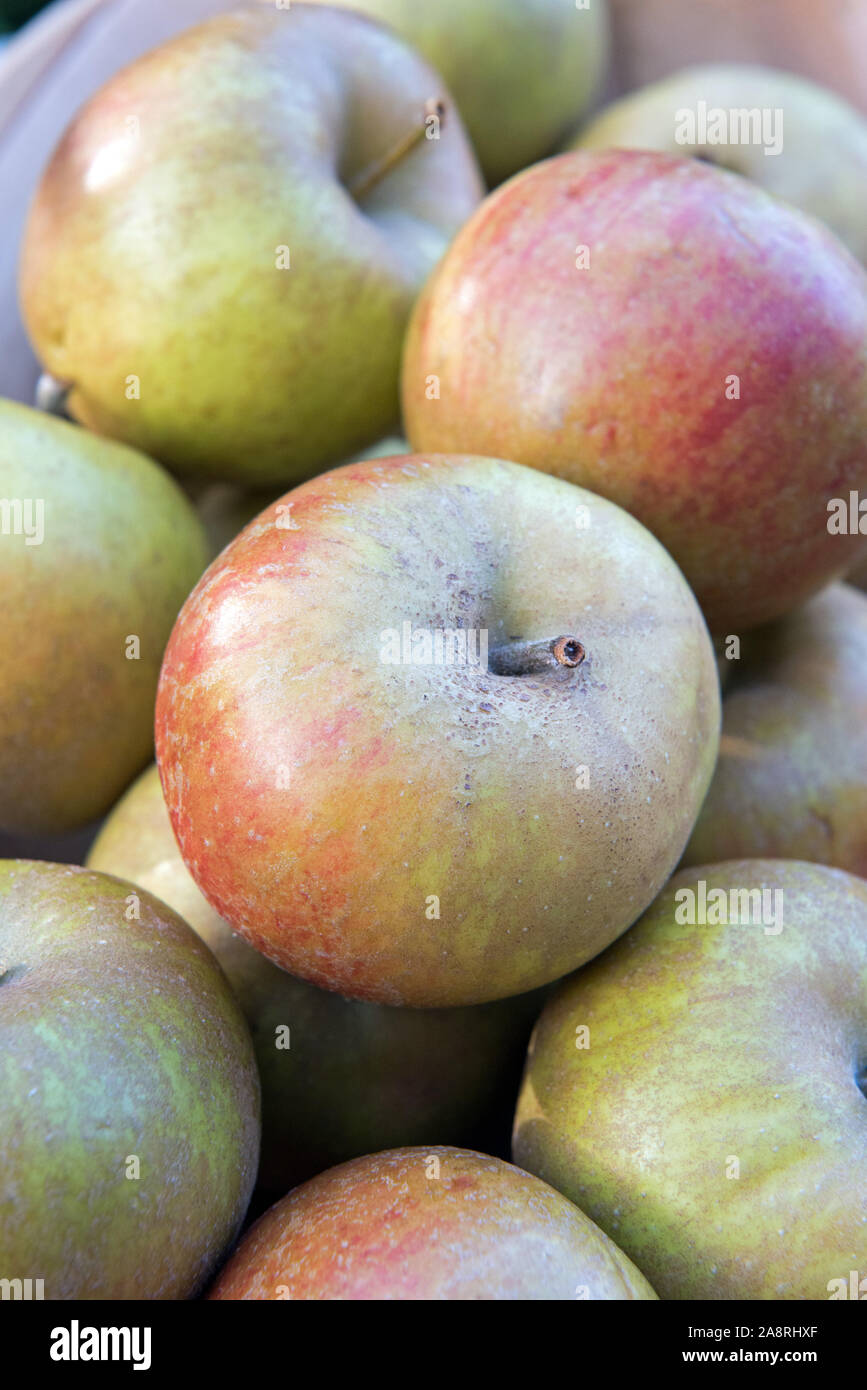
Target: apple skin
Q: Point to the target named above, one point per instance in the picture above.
(521, 71)
(383, 1227)
(709, 1044)
(615, 376)
(791, 781)
(356, 1077)
(822, 167)
(121, 550)
(118, 1037)
(152, 250)
(329, 804)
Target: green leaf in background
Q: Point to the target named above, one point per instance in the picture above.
(14, 13)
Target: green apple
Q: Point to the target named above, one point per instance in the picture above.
(98, 550)
(521, 71)
(373, 778)
(797, 140)
(226, 244)
(427, 1224)
(791, 781)
(700, 1089)
(671, 336)
(128, 1091)
(339, 1077)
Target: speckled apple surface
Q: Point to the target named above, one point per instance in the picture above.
(716, 1125)
(120, 550)
(435, 835)
(791, 780)
(340, 1077)
(431, 1224)
(196, 229)
(119, 1040)
(615, 374)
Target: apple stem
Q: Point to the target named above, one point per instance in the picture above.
(517, 658)
(368, 178)
(50, 395)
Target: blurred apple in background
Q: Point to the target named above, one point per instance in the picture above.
(227, 242)
(521, 71)
(423, 831)
(667, 334)
(827, 43)
(339, 1077)
(803, 143)
(791, 781)
(427, 1224)
(99, 548)
(128, 1091)
(700, 1089)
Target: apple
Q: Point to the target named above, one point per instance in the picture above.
(827, 43)
(671, 336)
(98, 550)
(794, 138)
(791, 781)
(225, 246)
(128, 1091)
(521, 71)
(339, 1077)
(700, 1089)
(427, 1224)
(378, 769)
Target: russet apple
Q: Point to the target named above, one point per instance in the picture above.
(797, 140)
(339, 1077)
(700, 1089)
(521, 71)
(427, 1224)
(225, 246)
(671, 336)
(389, 811)
(791, 781)
(98, 550)
(128, 1091)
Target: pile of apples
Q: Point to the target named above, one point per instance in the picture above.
(474, 563)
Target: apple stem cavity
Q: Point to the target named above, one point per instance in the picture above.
(375, 172)
(50, 394)
(518, 658)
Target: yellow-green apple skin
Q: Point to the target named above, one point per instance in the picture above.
(89, 596)
(699, 1090)
(791, 780)
(339, 1077)
(820, 165)
(128, 1090)
(671, 336)
(427, 1224)
(428, 833)
(196, 266)
(521, 71)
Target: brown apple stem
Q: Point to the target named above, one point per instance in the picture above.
(50, 395)
(528, 658)
(368, 178)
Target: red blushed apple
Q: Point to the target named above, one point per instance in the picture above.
(441, 1223)
(672, 337)
(386, 815)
